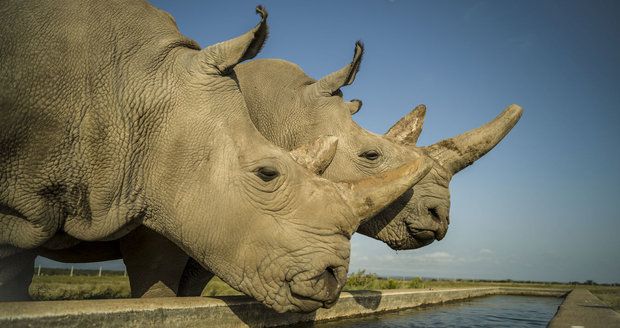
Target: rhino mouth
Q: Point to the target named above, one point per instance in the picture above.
(413, 238)
(421, 235)
(320, 290)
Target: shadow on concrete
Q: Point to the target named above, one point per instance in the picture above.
(597, 306)
(369, 299)
(256, 314)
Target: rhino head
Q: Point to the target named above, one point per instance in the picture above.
(289, 108)
(254, 214)
(424, 215)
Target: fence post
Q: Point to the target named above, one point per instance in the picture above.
(71, 273)
(39, 270)
(99, 271)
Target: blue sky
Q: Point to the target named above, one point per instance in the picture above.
(545, 203)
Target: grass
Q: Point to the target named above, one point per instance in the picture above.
(216, 287)
(369, 281)
(58, 286)
(609, 295)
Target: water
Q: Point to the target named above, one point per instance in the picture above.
(492, 311)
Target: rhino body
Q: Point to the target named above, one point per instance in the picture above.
(112, 120)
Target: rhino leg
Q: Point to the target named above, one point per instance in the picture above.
(154, 264)
(16, 272)
(194, 279)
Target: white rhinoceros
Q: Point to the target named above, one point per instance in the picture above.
(112, 119)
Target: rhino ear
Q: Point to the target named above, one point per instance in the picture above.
(354, 106)
(329, 84)
(220, 58)
(407, 130)
(317, 155)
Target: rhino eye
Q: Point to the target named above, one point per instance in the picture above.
(371, 155)
(267, 173)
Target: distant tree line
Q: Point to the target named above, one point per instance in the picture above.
(357, 280)
(359, 276)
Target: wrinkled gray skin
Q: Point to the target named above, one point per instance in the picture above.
(290, 109)
(111, 119)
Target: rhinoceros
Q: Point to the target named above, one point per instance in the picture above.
(111, 119)
(291, 109)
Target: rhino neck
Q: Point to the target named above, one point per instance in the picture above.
(196, 151)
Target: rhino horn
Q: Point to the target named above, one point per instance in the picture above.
(220, 58)
(370, 195)
(317, 155)
(407, 130)
(459, 152)
(329, 84)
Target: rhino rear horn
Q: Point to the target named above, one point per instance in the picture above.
(329, 84)
(461, 151)
(407, 130)
(317, 155)
(220, 58)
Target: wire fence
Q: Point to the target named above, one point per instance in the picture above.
(72, 271)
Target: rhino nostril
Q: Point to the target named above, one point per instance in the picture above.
(331, 283)
(332, 278)
(434, 214)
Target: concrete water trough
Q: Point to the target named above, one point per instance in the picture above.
(230, 311)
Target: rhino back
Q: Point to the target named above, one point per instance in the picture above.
(80, 94)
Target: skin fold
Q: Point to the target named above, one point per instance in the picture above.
(113, 120)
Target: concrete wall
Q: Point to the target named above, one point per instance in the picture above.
(582, 309)
(230, 311)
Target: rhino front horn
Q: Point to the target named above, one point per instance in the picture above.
(317, 155)
(370, 195)
(459, 152)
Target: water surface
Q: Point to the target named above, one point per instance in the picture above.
(491, 311)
